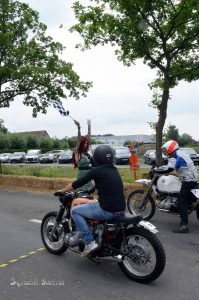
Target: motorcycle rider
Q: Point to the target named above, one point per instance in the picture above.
(111, 202)
(188, 175)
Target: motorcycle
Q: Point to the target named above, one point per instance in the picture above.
(160, 191)
(127, 240)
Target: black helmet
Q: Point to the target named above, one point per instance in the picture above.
(103, 155)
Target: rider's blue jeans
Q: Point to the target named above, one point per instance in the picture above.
(90, 210)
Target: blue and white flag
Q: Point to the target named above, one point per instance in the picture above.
(60, 108)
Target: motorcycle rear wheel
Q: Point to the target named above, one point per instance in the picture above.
(55, 244)
(133, 202)
(145, 259)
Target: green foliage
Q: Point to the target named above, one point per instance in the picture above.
(46, 144)
(64, 143)
(4, 141)
(71, 142)
(163, 33)
(171, 133)
(185, 140)
(127, 143)
(17, 142)
(30, 64)
(33, 142)
(56, 143)
(3, 129)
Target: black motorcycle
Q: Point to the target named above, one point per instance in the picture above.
(128, 240)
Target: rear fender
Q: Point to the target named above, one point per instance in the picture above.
(195, 192)
(148, 226)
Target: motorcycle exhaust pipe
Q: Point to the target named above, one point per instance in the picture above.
(117, 258)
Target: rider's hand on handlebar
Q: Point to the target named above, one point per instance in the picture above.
(58, 193)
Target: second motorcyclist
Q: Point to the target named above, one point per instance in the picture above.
(188, 175)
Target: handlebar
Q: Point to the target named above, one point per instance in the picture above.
(60, 193)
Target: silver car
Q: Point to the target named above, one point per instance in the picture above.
(192, 154)
(33, 156)
(5, 157)
(150, 157)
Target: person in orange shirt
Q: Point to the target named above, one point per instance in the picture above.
(133, 159)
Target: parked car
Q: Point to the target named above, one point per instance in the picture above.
(56, 153)
(18, 157)
(65, 157)
(192, 154)
(121, 155)
(33, 156)
(150, 157)
(47, 158)
(5, 157)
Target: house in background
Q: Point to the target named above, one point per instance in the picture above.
(39, 133)
(118, 140)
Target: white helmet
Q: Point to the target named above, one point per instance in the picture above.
(170, 146)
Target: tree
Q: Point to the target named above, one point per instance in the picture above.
(46, 144)
(2, 127)
(171, 133)
(56, 143)
(33, 142)
(29, 61)
(17, 142)
(164, 33)
(186, 140)
(4, 141)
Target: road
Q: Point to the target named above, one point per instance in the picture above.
(28, 271)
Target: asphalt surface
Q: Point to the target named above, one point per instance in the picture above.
(28, 271)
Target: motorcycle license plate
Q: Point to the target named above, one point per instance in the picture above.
(148, 226)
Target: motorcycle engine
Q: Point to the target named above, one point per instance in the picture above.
(73, 239)
(168, 202)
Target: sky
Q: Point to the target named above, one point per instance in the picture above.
(118, 102)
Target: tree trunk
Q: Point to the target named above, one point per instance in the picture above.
(161, 121)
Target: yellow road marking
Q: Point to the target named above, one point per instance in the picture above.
(3, 265)
(23, 256)
(13, 260)
(20, 258)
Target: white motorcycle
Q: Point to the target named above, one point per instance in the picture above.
(160, 191)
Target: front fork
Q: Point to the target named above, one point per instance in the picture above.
(58, 221)
(144, 200)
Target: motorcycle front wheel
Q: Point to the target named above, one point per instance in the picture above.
(134, 202)
(145, 256)
(54, 243)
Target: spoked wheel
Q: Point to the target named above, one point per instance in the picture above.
(134, 205)
(145, 257)
(54, 242)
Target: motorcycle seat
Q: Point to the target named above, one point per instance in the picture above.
(127, 219)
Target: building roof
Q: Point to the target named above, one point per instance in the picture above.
(40, 133)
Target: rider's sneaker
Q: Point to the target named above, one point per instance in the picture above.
(90, 248)
(181, 229)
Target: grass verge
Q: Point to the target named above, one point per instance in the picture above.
(60, 172)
